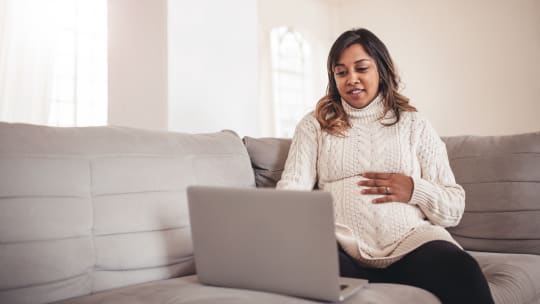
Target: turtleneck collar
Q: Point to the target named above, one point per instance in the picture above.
(372, 112)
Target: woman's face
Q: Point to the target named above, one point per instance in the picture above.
(357, 76)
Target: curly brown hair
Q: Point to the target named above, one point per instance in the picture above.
(329, 110)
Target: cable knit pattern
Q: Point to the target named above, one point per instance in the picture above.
(377, 235)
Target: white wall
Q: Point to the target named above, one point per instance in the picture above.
(472, 67)
(213, 66)
(312, 19)
(138, 63)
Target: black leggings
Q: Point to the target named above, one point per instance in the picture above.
(440, 267)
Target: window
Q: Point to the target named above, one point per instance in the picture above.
(79, 81)
(53, 62)
(290, 79)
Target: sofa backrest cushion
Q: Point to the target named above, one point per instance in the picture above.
(89, 209)
(500, 174)
(501, 178)
(268, 157)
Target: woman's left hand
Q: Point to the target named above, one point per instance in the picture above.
(394, 187)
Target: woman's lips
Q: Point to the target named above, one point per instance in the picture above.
(355, 92)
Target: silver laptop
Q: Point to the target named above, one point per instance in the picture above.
(269, 240)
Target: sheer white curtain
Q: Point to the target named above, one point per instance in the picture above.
(53, 62)
(26, 60)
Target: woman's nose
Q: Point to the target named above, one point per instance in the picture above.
(353, 79)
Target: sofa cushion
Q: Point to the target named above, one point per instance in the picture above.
(513, 278)
(188, 290)
(268, 156)
(501, 178)
(88, 209)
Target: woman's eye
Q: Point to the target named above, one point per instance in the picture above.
(340, 73)
(361, 69)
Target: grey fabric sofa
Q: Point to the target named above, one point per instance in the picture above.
(99, 215)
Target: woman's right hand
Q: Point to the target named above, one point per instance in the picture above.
(395, 187)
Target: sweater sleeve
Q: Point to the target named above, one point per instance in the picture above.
(300, 172)
(436, 192)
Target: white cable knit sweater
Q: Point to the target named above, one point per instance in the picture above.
(377, 235)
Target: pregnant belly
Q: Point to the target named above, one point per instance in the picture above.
(378, 225)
